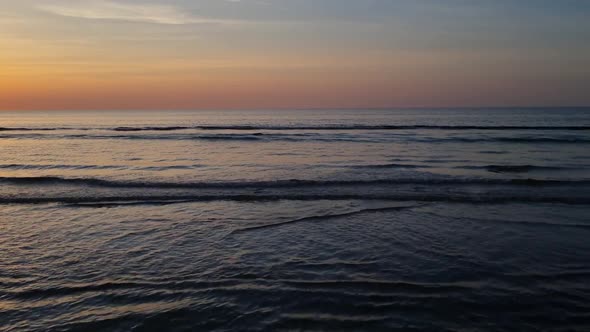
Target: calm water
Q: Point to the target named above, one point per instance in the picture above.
(458, 220)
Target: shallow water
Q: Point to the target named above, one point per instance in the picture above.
(300, 220)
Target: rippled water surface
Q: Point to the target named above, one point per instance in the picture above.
(362, 220)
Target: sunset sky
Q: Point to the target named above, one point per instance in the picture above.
(232, 54)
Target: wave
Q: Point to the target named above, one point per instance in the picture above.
(515, 168)
(418, 197)
(392, 127)
(403, 190)
(382, 286)
(369, 286)
(226, 137)
(535, 223)
(305, 127)
(308, 137)
(173, 128)
(60, 167)
(162, 200)
(325, 217)
(294, 183)
(111, 286)
(389, 166)
(183, 137)
(31, 129)
(489, 168)
(214, 137)
(574, 140)
(44, 190)
(532, 223)
(97, 167)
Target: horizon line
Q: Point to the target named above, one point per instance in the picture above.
(298, 108)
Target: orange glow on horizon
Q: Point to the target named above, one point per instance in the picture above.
(50, 61)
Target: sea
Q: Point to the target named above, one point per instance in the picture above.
(303, 220)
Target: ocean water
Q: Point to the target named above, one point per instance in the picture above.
(360, 220)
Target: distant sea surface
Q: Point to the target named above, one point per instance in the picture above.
(360, 220)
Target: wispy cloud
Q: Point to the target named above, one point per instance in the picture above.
(111, 10)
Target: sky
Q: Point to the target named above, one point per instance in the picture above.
(247, 54)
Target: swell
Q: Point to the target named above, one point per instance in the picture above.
(30, 129)
(563, 140)
(323, 127)
(211, 137)
(277, 285)
(95, 182)
(63, 167)
(524, 223)
(172, 128)
(113, 286)
(393, 127)
(95, 167)
(516, 168)
(182, 137)
(324, 217)
(389, 166)
(489, 168)
(307, 137)
(115, 201)
(535, 223)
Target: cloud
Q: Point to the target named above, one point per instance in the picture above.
(111, 10)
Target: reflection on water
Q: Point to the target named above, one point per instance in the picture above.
(332, 220)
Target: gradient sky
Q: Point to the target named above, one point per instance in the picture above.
(216, 54)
